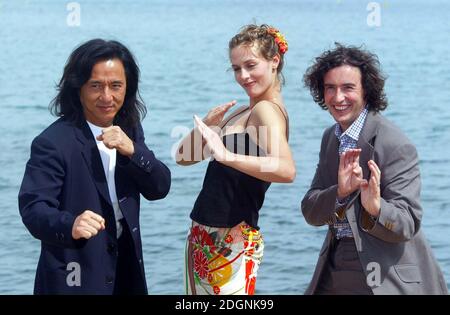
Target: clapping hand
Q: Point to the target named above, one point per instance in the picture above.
(370, 190)
(350, 174)
(350, 178)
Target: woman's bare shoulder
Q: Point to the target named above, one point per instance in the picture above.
(264, 111)
(234, 113)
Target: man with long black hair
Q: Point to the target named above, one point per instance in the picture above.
(80, 194)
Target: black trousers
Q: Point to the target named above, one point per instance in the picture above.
(129, 279)
(343, 272)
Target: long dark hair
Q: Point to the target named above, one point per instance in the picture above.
(77, 72)
(371, 77)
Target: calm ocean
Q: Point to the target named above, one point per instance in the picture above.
(181, 47)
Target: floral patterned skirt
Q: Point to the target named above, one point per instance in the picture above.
(222, 261)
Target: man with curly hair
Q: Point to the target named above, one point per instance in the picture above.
(366, 187)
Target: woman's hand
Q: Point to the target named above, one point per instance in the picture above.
(216, 115)
(213, 143)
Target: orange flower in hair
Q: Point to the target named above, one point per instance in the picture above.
(279, 39)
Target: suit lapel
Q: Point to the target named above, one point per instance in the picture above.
(92, 158)
(332, 157)
(366, 142)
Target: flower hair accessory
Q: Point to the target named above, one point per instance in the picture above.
(279, 39)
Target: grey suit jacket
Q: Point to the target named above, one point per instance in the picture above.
(393, 250)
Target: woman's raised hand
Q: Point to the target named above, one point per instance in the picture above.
(215, 115)
(213, 143)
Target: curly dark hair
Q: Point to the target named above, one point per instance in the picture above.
(78, 71)
(372, 78)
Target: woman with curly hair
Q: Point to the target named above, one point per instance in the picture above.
(249, 150)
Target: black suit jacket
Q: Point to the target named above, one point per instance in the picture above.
(64, 177)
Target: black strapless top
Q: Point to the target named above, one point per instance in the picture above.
(229, 196)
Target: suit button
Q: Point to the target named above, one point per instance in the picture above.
(111, 248)
(109, 279)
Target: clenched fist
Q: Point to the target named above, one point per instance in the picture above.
(114, 138)
(87, 225)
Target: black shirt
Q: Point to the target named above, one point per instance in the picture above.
(229, 196)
